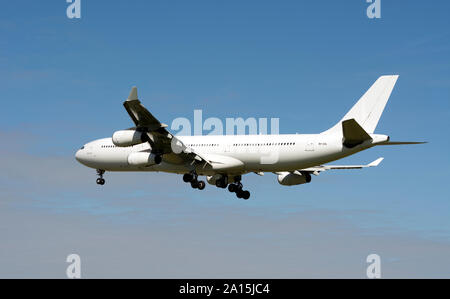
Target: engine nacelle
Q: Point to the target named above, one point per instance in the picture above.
(126, 138)
(291, 179)
(143, 159)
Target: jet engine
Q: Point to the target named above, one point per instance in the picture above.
(295, 178)
(143, 159)
(124, 138)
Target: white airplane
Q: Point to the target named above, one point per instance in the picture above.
(224, 159)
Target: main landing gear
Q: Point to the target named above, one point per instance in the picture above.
(100, 180)
(236, 187)
(193, 179)
(222, 182)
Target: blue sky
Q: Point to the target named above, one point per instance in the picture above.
(306, 62)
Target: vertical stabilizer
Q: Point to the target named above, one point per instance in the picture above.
(367, 111)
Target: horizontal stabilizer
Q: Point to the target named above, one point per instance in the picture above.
(317, 169)
(401, 142)
(353, 133)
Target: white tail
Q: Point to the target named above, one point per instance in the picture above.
(367, 111)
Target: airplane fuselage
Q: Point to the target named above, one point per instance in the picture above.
(243, 153)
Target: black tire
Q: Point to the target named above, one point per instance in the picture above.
(194, 184)
(220, 184)
(201, 185)
(158, 159)
(232, 187)
(239, 193)
(187, 177)
(245, 194)
(307, 176)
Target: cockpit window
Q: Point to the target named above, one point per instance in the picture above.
(82, 147)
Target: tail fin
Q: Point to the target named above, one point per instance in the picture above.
(367, 111)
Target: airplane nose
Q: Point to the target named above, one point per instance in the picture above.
(84, 156)
(78, 156)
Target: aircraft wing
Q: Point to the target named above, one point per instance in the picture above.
(317, 169)
(161, 140)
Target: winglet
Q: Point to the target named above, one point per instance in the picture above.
(376, 162)
(133, 94)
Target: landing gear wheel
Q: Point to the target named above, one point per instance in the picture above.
(232, 187)
(194, 184)
(158, 159)
(307, 176)
(187, 177)
(242, 193)
(100, 180)
(222, 182)
(201, 185)
(237, 186)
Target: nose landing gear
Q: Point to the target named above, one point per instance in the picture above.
(100, 180)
